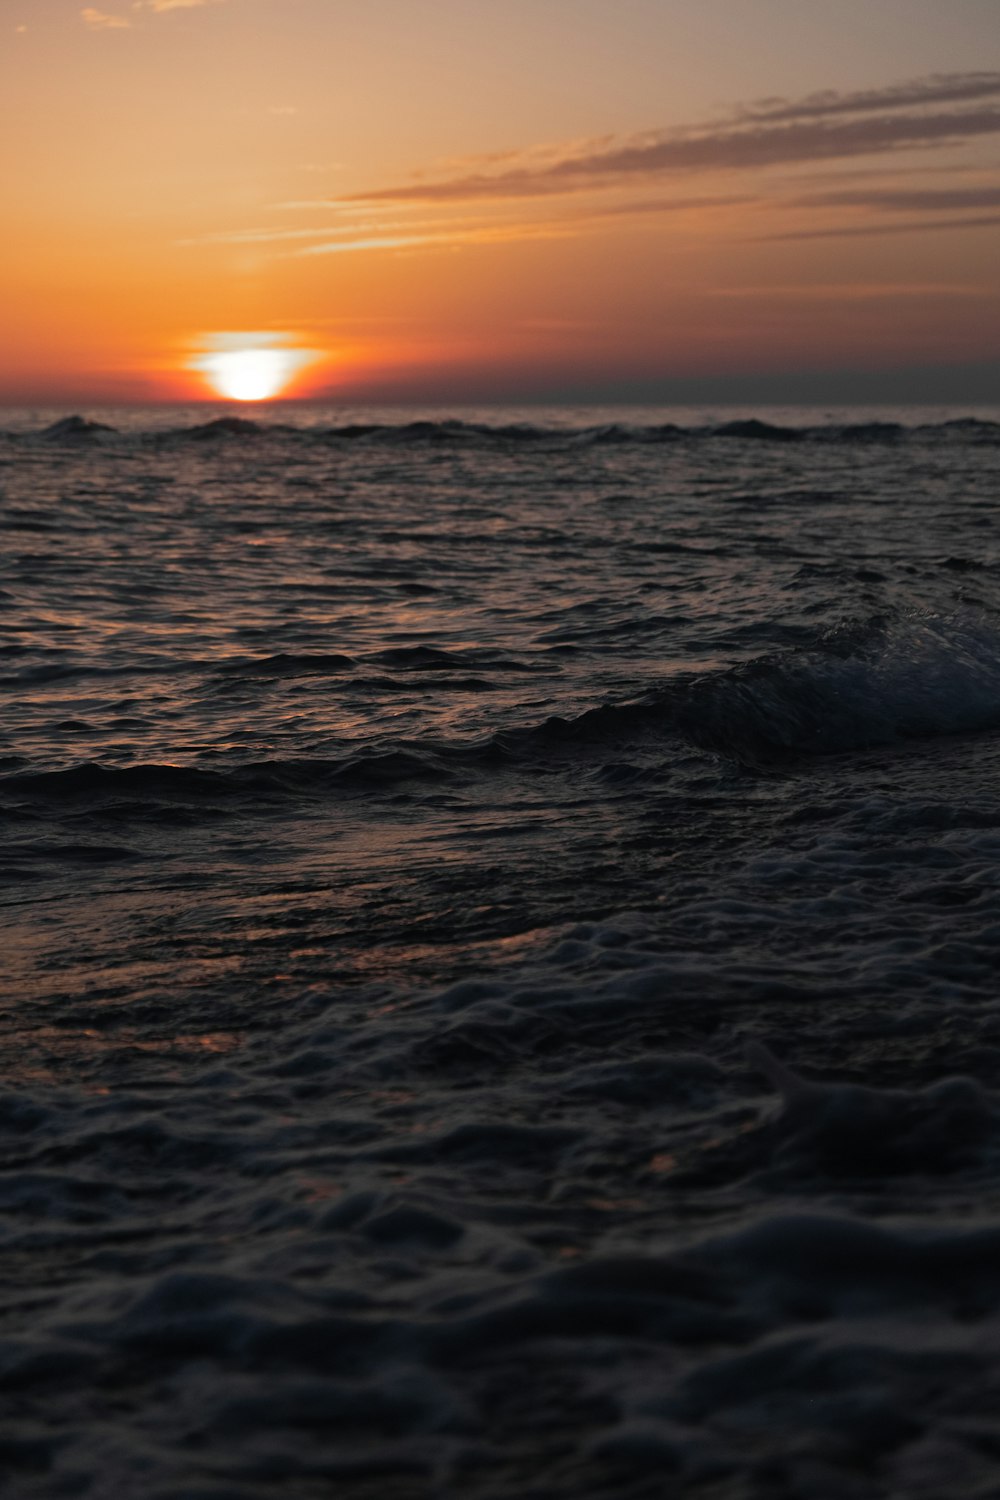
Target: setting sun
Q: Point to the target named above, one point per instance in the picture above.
(251, 366)
(253, 375)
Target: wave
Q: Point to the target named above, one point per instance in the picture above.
(880, 681)
(957, 431)
(867, 683)
(75, 429)
(262, 784)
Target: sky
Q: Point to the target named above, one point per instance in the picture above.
(446, 201)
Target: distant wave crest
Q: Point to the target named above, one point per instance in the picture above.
(80, 430)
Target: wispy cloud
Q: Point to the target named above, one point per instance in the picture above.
(98, 20)
(357, 229)
(447, 236)
(448, 239)
(802, 174)
(381, 233)
(883, 226)
(944, 110)
(909, 200)
(458, 234)
(161, 5)
(939, 88)
(854, 291)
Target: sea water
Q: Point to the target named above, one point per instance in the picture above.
(501, 948)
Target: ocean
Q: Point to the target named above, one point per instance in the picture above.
(501, 949)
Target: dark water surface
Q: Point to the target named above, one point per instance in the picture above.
(501, 935)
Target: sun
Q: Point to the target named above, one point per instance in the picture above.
(250, 367)
(248, 374)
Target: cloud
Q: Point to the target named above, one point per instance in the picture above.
(379, 233)
(882, 226)
(806, 171)
(390, 236)
(357, 229)
(839, 291)
(939, 88)
(917, 200)
(464, 232)
(944, 110)
(639, 206)
(99, 21)
(446, 239)
(162, 5)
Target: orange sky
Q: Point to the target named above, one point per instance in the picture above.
(496, 198)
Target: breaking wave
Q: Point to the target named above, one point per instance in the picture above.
(868, 683)
(863, 684)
